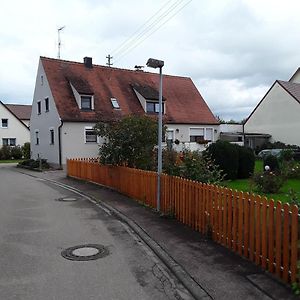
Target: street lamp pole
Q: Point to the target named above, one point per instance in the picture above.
(155, 63)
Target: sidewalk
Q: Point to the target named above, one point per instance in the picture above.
(220, 272)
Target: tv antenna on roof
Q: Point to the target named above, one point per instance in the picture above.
(59, 40)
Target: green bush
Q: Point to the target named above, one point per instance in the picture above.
(5, 152)
(35, 164)
(272, 162)
(225, 155)
(26, 150)
(16, 152)
(290, 169)
(246, 162)
(268, 182)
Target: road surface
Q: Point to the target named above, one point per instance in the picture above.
(36, 226)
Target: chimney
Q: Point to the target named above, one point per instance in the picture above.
(88, 62)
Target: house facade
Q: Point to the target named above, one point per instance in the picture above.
(71, 97)
(14, 130)
(277, 116)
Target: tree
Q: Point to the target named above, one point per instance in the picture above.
(130, 141)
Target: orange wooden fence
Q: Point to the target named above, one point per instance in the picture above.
(261, 230)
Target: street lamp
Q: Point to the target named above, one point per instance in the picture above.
(155, 63)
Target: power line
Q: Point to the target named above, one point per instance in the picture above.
(158, 18)
(139, 41)
(133, 34)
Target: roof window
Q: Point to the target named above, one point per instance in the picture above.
(115, 103)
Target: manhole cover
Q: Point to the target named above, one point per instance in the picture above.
(85, 252)
(67, 199)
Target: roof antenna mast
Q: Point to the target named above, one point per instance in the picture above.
(109, 58)
(59, 40)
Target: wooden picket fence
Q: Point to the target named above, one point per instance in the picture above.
(264, 231)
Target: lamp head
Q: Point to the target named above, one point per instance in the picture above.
(155, 63)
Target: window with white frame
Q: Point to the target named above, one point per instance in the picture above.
(196, 134)
(115, 103)
(37, 137)
(209, 134)
(169, 135)
(90, 135)
(4, 123)
(86, 103)
(9, 141)
(153, 107)
(51, 136)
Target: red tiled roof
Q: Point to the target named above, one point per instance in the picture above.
(184, 104)
(21, 111)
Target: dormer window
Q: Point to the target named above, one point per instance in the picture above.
(115, 103)
(153, 107)
(86, 103)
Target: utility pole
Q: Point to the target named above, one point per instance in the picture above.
(109, 58)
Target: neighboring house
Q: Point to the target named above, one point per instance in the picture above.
(14, 120)
(71, 97)
(232, 133)
(277, 115)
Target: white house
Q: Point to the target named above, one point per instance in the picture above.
(14, 120)
(70, 97)
(277, 115)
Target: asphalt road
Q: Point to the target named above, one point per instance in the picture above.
(35, 228)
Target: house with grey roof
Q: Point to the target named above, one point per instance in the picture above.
(277, 116)
(14, 124)
(71, 97)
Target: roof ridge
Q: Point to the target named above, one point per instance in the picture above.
(112, 68)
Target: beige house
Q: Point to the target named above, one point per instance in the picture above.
(277, 115)
(71, 97)
(14, 122)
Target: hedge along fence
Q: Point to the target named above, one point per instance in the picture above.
(250, 225)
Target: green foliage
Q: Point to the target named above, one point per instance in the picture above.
(246, 162)
(272, 162)
(5, 152)
(225, 155)
(129, 142)
(191, 165)
(286, 155)
(268, 182)
(34, 164)
(26, 150)
(16, 152)
(290, 169)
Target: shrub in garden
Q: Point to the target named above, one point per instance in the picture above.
(225, 155)
(26, 150)
(35, 164)
(16, 152)
(246, 162)
(5, 153)
(286, 155)
(268, 182)
(272, 162)
(290, 169)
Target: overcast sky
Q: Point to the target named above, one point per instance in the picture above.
(232, 49)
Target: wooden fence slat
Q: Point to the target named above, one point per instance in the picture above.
(286, 242)
(294, 243)
(257, 229)
(240, 223)
(271, 236)
(246, 225)
(278, 239)
(264, 234)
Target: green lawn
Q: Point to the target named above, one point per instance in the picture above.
(10, 161)
(245, 186)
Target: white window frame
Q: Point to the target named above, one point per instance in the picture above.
(115, 103)
(92, 102)
(88, 142)
(172, 131)
(2, 123)
(156, 107)
(204, 131)
(9, 142)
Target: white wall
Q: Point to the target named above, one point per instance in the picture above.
(296, 77)
(73, 141)
(277, 115)
(16, 129)
(234, 128)
(44, 122)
